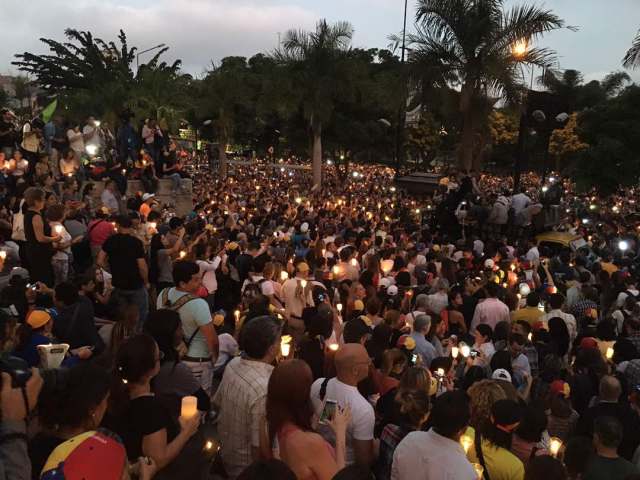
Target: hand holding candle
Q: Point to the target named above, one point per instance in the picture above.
(189, 407)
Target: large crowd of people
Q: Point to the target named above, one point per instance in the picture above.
(280, 331)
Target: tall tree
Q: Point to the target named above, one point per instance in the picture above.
(472, 43)
(314, 60)
(22, 88)
(92, 75)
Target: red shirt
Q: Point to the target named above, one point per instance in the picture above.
(99, 231)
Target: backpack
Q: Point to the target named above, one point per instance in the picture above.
(182, 301)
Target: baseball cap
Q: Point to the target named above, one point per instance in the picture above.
(358, 306)
(354, 330)
(501, 374)
(392, 291)
(559, 387)
(506, 414)
(94, 454)
(19, 272)
(38, 318)
(406, 342)
(588, 342)
(304, 228)
(147, 196)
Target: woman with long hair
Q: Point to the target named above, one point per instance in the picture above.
(174, 380)
(559, 341)
(492, 442)
(388, 406)
(144, 425)
(289, 414)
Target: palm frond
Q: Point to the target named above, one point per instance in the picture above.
(632, 58)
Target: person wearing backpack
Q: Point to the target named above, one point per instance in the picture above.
(199, 332)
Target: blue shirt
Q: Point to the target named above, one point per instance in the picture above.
(424, 349)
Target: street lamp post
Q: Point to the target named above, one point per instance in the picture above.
(401, 110)
(519, 50)
(162, 45)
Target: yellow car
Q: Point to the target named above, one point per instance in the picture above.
(559, 240)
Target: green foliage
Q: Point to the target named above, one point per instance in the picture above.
(612, 130)
(92, 76)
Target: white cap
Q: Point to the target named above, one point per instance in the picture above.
(501, 374)
(304, 228)
(147, 196)
(489, 263)
(392, 290)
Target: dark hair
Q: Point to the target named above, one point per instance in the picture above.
(67, 293)
(162, 325)
(501, 331)
(556, 300)
(517, 338)
(545, 467)
(414, 405)
(501, 359)
(533, 299)
(609, 431)
(258, 335)
(473, 375)
(577, 455)
(126, 319)
(183, 271)
(525, 325)
(85, 387)
(33, 195)
(533, 423)
(55, 212)
(135, 359)
(288, 397)
(500, 410)
(450, 413)
(559, 334)
(175, 222)
(485, 330)
(267, 470)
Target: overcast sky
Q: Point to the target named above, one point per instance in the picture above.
(201, 31)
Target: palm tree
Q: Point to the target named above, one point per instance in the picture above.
(314, 60)
(632, 58)
(473, 43)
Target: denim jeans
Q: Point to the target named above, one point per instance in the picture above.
(175, 179)
(138, 297)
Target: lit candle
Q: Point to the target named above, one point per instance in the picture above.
(303, 283)
(183, 254)
(283, 275)
(189, 407)
(555, 444)
(479, 470)
(465, 350)
(339, 307)
(609, 353)
(530, 336)
(333, 347)
(124, 171)
(336, 270)
(58, 229)
(285, 349)
(153, 225)
(466, 441)
(237, 315)
(455, 352)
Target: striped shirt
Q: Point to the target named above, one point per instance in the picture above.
(241, 399)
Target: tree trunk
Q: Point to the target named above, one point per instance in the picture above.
(465, 150)
(222, 163)
(317, 154)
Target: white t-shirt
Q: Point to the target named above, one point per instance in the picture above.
(228, 348)
(208, 272)
(533, 255)
(92, 139)
(76, 142)
(362, 416)
(66, 238)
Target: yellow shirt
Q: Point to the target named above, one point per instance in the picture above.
(501, 463)
(529, 314)
(608, 267)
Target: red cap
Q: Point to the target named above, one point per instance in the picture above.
(588, 342)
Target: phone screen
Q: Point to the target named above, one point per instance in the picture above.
(414, 358)
(328, 411)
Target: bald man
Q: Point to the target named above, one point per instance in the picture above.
(352, 366)
(609, 404)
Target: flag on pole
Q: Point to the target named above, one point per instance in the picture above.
(49, 110)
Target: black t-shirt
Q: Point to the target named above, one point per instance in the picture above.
(145, 416)
(9, 139)
(124, 251)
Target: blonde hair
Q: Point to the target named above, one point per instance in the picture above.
(483, 395)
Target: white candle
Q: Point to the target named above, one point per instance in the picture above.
(479, 470)
(455, 352)
(333, 347)
(609, 353)
(285, 348)
(465, 351)
(303, 283)
(58, 229)
(183, 254)
(237, 315)
(189, 407)
(339, 307)
(354, 262)
(284, 275)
